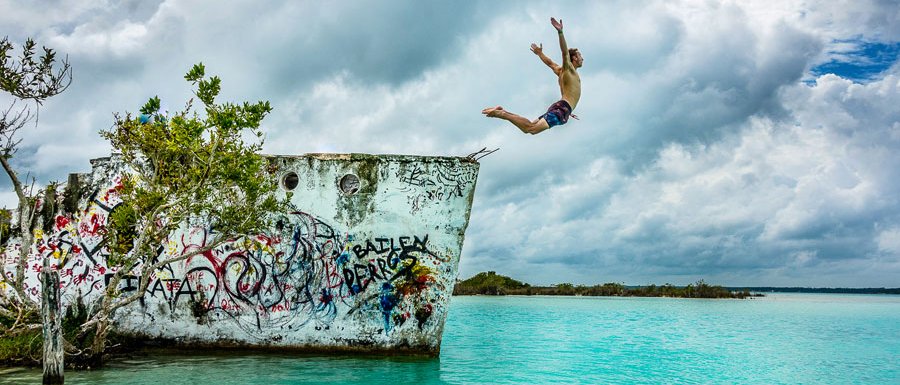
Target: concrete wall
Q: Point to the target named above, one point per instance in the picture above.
(366, 259)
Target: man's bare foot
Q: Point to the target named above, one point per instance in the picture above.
(492, 112)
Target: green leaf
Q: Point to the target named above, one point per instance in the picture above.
(196, 73)
(152, 106)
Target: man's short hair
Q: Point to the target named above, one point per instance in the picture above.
(572, 52)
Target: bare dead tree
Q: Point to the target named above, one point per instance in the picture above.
(30, 78)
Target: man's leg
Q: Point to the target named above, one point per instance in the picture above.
(525, 125)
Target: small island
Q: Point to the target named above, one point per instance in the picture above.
(491, 283)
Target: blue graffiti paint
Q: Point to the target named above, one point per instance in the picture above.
(343, 258)
(388, 301)
(326, 297)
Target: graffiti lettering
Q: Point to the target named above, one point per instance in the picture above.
(304, 272)
(388, 261)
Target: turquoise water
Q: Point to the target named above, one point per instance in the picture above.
(780, 339)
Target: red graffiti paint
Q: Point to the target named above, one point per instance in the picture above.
(268, 241)
(115, 190)
(61, 222)
(92, 226)
(173, 285)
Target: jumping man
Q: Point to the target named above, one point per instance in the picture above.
(569, 86)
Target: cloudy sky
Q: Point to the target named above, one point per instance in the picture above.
(741, 142)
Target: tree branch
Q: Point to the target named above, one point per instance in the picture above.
(109, 307)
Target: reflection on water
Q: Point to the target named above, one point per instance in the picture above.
(235, 368)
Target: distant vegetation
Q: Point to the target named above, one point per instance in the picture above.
(834, 290)
(491, 283)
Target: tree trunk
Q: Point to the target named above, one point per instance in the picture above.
(99, 344)
(53, 342)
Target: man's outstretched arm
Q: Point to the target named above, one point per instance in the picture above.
(539, 51)
(567, 61)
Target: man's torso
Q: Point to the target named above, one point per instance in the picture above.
(570, 86)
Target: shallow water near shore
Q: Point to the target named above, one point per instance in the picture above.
(781, 338)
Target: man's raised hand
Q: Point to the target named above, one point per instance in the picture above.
(537, 49)
(556, 24)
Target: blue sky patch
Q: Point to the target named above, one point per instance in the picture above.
(858, 60)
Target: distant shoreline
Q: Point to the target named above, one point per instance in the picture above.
(491, 283)
(823, 290)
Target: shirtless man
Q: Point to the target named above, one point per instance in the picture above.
(569, 86)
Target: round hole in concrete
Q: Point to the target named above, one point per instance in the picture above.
(349, 184)
(290, 181)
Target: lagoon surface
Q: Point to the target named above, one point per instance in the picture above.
(778, 339)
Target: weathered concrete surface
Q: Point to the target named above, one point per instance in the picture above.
(366, 259)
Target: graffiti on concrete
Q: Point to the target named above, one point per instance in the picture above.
(298, 274)
(434, 183)
(295, 275)
(305, 274)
